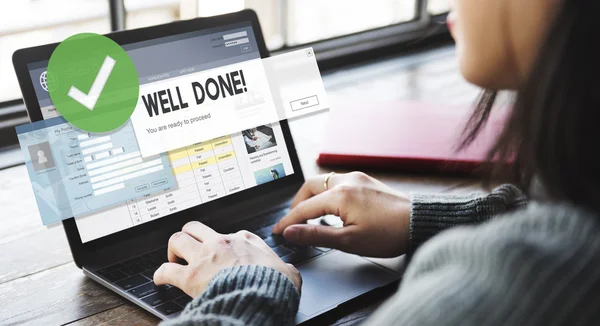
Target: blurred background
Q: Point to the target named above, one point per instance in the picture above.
(337, 29)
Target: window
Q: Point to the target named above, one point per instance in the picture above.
(331, 24)
(437, 7)
(287, 23)
(26, 23)
(314, 20)
(269, 13)
(143, 13)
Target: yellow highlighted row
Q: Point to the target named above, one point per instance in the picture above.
(201, 147)
(182, 169)
(225, 156)
(221, 141)
(203, 163)
(220, 138)
(177, 154)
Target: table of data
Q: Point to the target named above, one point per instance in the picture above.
(204, 171)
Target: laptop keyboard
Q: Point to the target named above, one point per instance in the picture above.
(135, 275)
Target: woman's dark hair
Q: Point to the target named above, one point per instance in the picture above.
(555, 120)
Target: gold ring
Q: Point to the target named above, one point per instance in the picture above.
(326, 181)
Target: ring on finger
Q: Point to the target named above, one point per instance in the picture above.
(326, 181)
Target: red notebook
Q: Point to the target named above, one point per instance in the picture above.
(408, 136)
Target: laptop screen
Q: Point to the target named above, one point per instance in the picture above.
(203, 171)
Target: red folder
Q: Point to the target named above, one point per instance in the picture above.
(408, 136)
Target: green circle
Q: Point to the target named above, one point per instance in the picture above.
(75, 66)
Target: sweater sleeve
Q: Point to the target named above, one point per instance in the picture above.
(536, 266)
(432, 213)
(243, 295)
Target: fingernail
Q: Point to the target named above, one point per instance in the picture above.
(291, 234)
(174, 236)
(156, 272)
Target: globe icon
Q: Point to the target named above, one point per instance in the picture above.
(47, 81)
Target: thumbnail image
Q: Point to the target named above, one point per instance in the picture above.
(259, 138)
(269, 174)
(41, 156)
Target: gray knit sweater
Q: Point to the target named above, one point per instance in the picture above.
(534, 265)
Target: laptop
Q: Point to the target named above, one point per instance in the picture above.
(120, 247)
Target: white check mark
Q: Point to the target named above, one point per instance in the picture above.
(89, 100)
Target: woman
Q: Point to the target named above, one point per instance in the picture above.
(524, 264)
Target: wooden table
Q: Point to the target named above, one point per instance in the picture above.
(40, 284)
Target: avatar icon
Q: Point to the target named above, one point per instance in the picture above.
(41, 157)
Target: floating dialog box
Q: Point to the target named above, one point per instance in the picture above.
(74, 172)
(202, 105)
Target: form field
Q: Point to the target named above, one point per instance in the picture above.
(101, 155)
(112, 160)
(96, 148)
(94, 141)
(103, 191)
(234, 35)
(127, 177)
(117, 151)
(237, 42)
(125, 171)
(112, 167)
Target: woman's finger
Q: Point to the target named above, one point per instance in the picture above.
(200, 231)
(317, 235)
(307, 190)
(170, 273)
(314, 186)
(317, 206)
(182, 245)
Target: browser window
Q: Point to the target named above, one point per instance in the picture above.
(75, 172)
(236, 91)
(203, 171)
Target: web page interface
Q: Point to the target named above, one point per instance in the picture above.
(226, 97)
(203, 171)
(74, 172)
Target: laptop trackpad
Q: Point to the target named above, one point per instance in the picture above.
(336, 278)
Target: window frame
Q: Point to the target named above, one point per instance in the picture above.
(118, 15)
(329, 49)
(422, 28)
(345, 45)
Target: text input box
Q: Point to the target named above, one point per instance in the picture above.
(127, 177)
(117, 166)
(125, 171)
(94, 141)
(112, 160)
(234, 35)
(237, 42)
(106, 190)
(96, 148)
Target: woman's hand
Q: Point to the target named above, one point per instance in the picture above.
(376, 218)
(207, 252)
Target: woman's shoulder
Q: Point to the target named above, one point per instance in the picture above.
(545, 233)
(555, 218)
(538, 265)
(536, 221)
